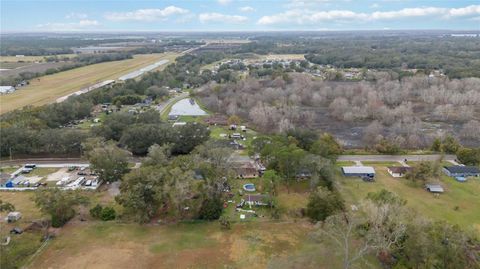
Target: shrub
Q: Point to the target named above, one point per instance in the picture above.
(96, 211)
(108, 213)
(211, 209)
(323, 203)
(104, 213)
(225, 222)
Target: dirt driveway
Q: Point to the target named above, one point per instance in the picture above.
(63, 172)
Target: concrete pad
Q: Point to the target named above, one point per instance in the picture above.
(58, 175)
(33, 179)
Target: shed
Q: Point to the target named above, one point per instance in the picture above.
(398, 171)
(358, 171)
(434, 188)
(461, 171)
(14, 216)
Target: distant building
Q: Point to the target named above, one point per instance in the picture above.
(398, 171)
(461, 171)
(6, 89)
(358, 171)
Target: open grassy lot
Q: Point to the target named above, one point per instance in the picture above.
(194, 245)
(9, 169)
(21, 246)
(458, 205)
(47, 89)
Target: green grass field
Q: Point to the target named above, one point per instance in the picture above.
(458, 205)
(47, 89)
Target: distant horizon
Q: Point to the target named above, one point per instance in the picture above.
(238, 31)
(236, 15)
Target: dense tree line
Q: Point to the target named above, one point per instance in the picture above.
(39, 45)
(165, 186)
(23, 130)
(387, 108)
(458, 57)
(71, 63)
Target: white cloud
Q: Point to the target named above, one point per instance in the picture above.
(308, 16)
(75, 15)
(300, 16)
(407, 12)
(464, 11)
(247, 9)
(224, 2)
(221, 18)
(374, 5)
(69, 26)
(151, 14)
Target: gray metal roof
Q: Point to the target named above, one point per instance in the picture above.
(358, 170)
(434, 188)
(462, 169)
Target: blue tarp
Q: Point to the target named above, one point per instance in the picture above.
(9, 184)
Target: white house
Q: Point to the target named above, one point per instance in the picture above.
(6, 89)
(398, 171)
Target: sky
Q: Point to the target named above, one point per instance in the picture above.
(236, 15)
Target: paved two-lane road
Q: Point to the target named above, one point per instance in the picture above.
(395, 158)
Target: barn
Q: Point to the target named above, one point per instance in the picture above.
(358, 171)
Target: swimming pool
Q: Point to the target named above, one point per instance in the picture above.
(249, 187)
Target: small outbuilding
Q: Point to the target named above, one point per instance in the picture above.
(398, 171)
(358, 171)
(14, 216)
(434, 188)
(461, 171)
(6, 89)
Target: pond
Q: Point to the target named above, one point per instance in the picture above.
(187, 107)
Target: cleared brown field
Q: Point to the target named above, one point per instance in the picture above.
(47, 89)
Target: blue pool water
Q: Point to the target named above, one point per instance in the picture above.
(249, 187)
